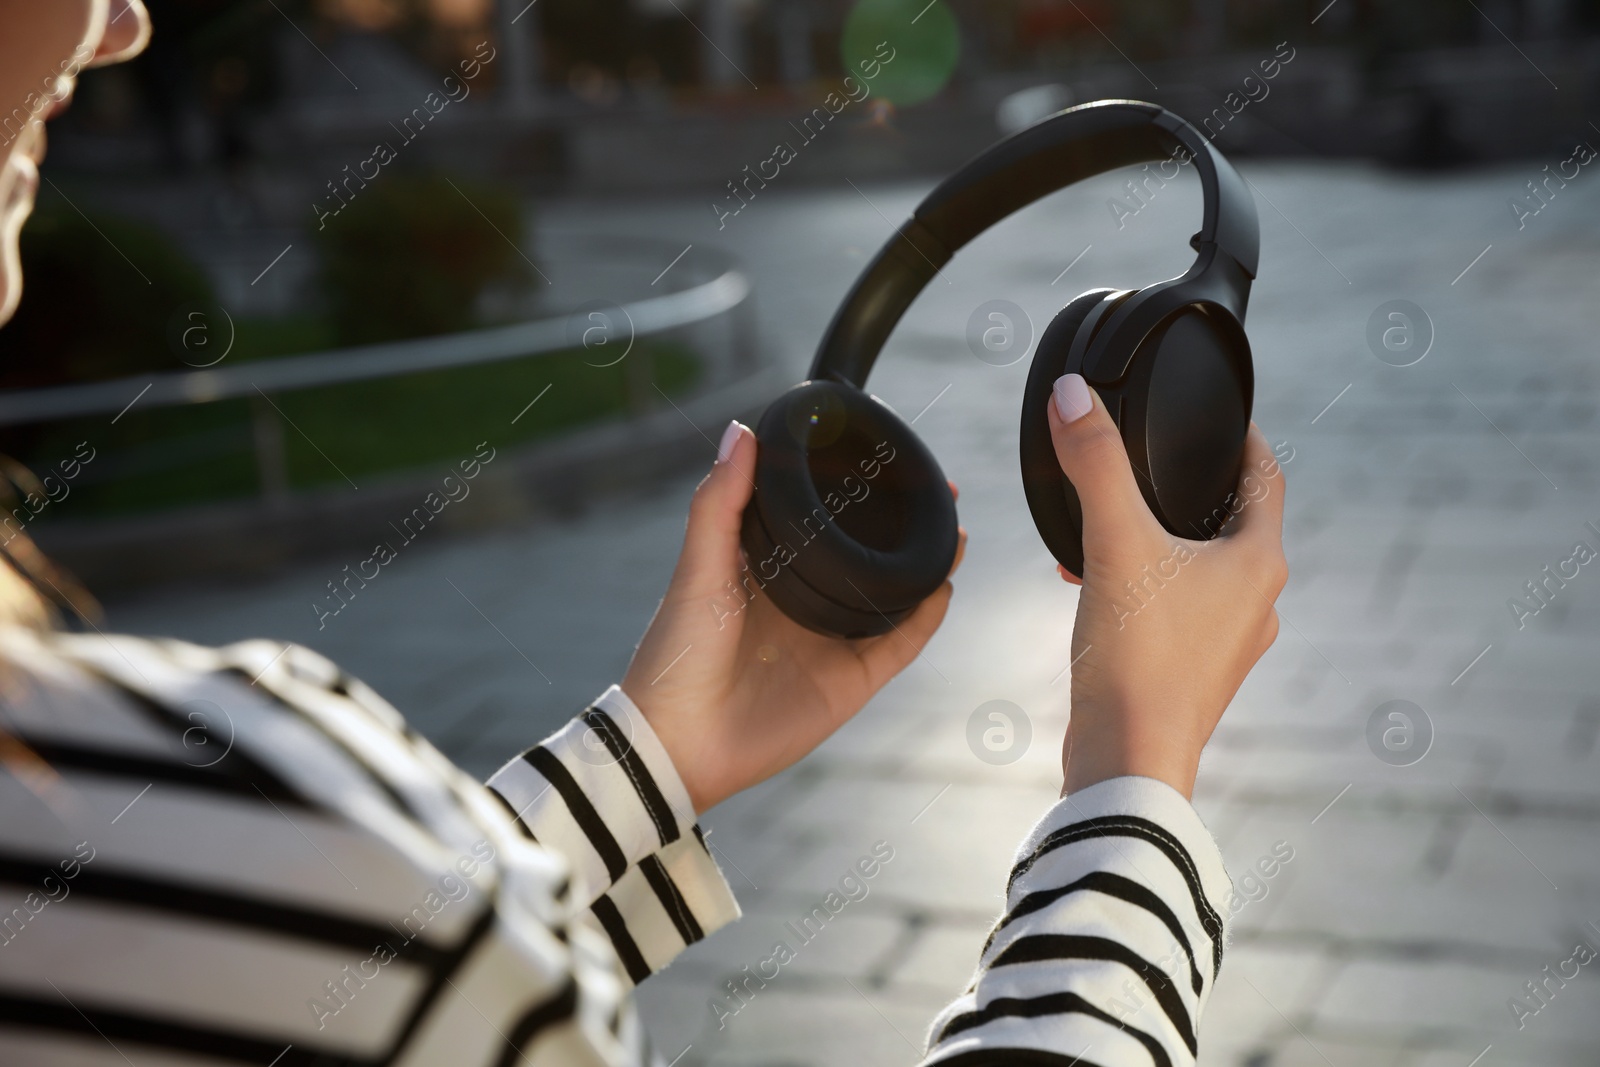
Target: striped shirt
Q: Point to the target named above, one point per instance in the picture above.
(244, 856)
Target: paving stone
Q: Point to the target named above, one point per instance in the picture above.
(1295, 1050)
(918, 820)
(820, 1027)
(849, 943)
(1314, 778)
(1240, 1019)
(1394, 999)
(1511, 1053)
(676, 1010)
(942, 958)
(1398, 879)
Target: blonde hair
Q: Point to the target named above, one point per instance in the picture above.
(33, 588)
(20, 602)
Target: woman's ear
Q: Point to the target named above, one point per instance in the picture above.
(44, 45)
(126, 34)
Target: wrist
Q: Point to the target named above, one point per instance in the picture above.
(1091, 755)
(662, 726)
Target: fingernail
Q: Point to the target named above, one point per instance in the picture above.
(730, 437)
(1073, 401)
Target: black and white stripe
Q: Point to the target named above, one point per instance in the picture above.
(234, 890)
(1109, 945)
(1144, 830)
(603, 792)
(1112, 885)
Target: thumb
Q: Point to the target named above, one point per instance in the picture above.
(1090, 450)
(711, 543)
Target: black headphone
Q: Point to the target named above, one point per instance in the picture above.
(852, 523)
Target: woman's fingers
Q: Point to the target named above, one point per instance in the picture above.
(888, 654)
(1257, 530)
(1261, 489)
(711, 544)
(1089, 449)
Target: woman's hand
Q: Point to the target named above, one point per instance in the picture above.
(735, 690)
(1167, 628)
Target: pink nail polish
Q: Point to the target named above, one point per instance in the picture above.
(1073, 401)
(730, 437)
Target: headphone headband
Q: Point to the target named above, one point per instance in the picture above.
(1052, 154)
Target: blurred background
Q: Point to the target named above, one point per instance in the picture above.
(304, 257)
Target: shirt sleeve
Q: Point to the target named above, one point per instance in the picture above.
(603, 792)
(1110, 943)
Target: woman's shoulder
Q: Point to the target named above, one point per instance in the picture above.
(255, 731)
(168, 670)
(256, 838)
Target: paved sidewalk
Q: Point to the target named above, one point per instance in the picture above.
(1418, 900)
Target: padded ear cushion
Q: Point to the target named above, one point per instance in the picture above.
(1051, 498)
(852, 523)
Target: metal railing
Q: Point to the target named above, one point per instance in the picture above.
(651, 315)
(256, 380)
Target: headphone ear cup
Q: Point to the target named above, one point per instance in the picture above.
(852, 524)
(1051, 498)
(1186, 412)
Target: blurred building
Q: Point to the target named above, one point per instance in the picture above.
(635, 94)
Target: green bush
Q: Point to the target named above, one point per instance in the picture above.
(172, 457)
(409, 255)
(98, 295)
